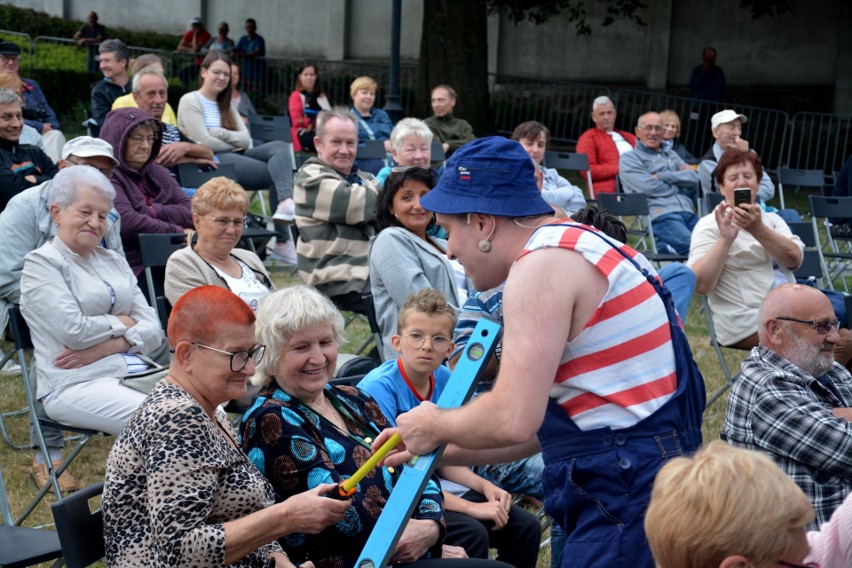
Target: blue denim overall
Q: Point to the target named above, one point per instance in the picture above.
(598, 483)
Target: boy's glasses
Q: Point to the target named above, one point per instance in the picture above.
(415, 339)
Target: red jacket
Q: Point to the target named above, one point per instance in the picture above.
(603, 157)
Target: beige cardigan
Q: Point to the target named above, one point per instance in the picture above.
(186, 270)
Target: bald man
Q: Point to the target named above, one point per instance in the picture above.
(792, 400)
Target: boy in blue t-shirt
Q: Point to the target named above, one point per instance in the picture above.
(479, 514)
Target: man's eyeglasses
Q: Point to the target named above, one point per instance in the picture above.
(10, 58)
(415, 339)
(239, 359)
(823, 327)
(223, 222)
(106, 171)
(652, 128)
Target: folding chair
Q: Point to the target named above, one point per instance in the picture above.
(156, 250)
(7, 414)
(271, 128)
(79, 528)
(23, 546)
(834, 261)
(372, 319)
(23, 342)
(636, 205)
(190, 175)
(437, 153)
(799, 179)
(811, 267)
(372, 150)
(573, 162)
(352, 369)
(710, 201)
(729, 378)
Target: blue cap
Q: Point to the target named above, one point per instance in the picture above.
(492, 176)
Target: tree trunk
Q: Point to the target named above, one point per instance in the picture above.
(454, 51)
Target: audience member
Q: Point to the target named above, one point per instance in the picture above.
(792, 399)
(37, 111)
(740, 252)
(480, 515)
(452, 132)
(404, 258)
(191, 42)
(218, 212)
(89, 36)
(29, 135)
(727, 130)
(320, 431)
(148, 199)
(220, 41)
(666, 179)
(671, 134)
(596, 433)
(306, 102)
(411, 145)
(113, 62)
(150, 93)
(21, 165)
(707, 81)
(207, 116)
(25, 225)
(555, 189)
(90, 324)
(239, 98)
(730, 508)
(251, 50)
(178, 490)
(148, 62)
(603, 145)
(373, 123)
(335, 210)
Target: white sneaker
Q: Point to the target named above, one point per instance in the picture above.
(286, 210)
(11, 367)
(284, 252)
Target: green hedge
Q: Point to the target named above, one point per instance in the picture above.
(35, 24)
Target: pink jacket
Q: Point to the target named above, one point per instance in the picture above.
(603, 157)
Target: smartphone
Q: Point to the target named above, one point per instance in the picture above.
(742, 195)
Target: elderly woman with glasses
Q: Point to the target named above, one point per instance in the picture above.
(218, 212)
(404, 257)
(178, 490)
(148, 198)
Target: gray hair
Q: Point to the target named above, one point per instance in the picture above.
(8, 97)
(66, 185)
(137, 78)
(601, 101)
(115, 46)
(340, 112)
(409, 127)
(285, 313)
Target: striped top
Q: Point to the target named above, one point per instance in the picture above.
(621, 368)
(212, 114)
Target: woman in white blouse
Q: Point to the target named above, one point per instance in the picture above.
(89, 321)
(218, 211)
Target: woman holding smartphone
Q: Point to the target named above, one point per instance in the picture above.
(739, 252)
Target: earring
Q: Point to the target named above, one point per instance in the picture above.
(485, 245)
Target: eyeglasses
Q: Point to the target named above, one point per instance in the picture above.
(651, 128)
(139, 139)
(106, 171)
(239, 359)
(415, 339)
(794, 565)
(823, 327)
(224, 74)
(223, 222)
(10, 58)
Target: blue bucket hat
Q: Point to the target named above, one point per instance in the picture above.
(491, 176)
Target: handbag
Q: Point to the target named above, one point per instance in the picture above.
(145, 381)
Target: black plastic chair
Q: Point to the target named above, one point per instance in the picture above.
(80, 529)
(799, 178)
(573, 162)
(835, 261)
(636, 205)
(156, 250)
(190, 175)
(371, 150)
(437, 153)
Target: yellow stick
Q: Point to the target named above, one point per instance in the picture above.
(368, 466)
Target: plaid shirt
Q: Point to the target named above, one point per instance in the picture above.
(778, 408)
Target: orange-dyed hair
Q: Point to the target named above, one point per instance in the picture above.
(198, 313)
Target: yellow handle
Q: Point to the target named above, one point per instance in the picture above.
(368, 466)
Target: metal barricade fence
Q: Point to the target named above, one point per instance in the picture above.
(819, 141)
(563, 107)
(54, 53)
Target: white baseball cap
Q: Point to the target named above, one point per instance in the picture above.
(88, 147)
(726, 116)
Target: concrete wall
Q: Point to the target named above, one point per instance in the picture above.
(803, 47)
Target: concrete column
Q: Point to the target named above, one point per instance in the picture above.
(338, 29)
(659, 43)
(843, 75)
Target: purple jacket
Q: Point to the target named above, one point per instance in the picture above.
(148, 200)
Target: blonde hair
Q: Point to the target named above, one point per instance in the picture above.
(363, 82)
(723, 501)
(426, 301)
(669, 115)
(11, 81)
(219, 193)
